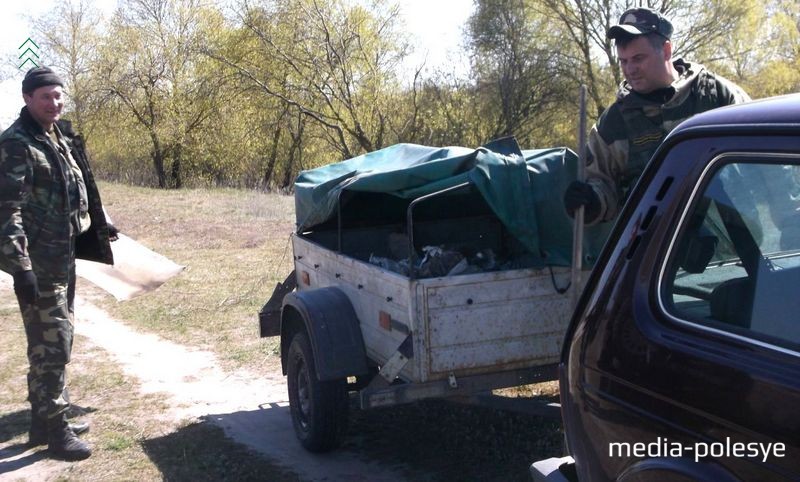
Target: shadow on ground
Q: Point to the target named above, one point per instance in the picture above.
(424, 441)
(11, 457)
(14, 424)
(444, 441)
(270, 429)
(201, 452)
(17, 423)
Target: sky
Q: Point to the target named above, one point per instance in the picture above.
(434, 26)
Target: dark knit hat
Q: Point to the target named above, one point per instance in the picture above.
(39, 77)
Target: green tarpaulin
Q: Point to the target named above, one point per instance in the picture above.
(523, 188)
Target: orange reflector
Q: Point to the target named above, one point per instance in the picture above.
(385, 320)
(305, 278)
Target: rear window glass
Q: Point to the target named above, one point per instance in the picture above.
(735, 265)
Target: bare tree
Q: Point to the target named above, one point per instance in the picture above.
(69, 33)
(520, 76)
(586, 22)
(151, 64)
(333, 63)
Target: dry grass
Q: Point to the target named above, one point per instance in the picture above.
(543, 389)
(235, 246)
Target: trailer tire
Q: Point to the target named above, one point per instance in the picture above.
(319, 409)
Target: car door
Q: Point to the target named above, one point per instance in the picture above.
(729, 301)
(685, 364)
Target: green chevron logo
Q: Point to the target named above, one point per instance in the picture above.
(29, 53)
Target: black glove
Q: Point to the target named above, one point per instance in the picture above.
(581, 194)
(26, 287)
(113, 232)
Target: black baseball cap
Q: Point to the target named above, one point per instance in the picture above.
(640, 21)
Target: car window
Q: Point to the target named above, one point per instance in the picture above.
(735, 266)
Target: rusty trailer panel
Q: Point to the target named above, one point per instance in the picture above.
(461, 326)
(495, 321)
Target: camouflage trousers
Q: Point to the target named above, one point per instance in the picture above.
(49, 329)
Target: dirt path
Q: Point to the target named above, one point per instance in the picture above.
(252, 410)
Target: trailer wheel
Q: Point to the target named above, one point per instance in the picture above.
(319, 409)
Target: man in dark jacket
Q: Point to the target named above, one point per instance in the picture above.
(50, 210)
(659, 92)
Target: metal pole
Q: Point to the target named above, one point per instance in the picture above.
(339, 221)
(577, 232)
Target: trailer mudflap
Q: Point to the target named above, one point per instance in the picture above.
(269, 318)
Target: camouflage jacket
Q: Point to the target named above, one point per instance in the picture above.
(36, 230)
(629, 131)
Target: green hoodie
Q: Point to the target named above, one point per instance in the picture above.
(629, 131)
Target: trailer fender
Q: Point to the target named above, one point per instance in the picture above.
(332, 326)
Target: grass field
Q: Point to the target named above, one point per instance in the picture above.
(235, 246)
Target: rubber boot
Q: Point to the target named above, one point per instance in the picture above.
(62, 441)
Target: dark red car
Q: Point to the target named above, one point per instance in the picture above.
(682, 361)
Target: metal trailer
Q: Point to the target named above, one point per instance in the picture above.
(352, 327)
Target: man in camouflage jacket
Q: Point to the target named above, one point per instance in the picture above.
(657, 95)
(50, 211)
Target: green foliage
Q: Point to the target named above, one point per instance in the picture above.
(175, 93)
(523, 74)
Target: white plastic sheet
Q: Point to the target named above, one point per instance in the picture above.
(137, 270)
